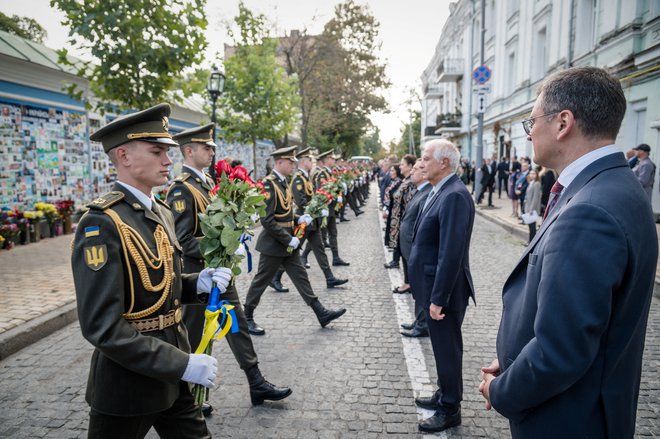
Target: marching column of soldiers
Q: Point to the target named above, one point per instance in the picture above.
(141, 285)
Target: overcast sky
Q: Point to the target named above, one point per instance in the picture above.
(409, 31)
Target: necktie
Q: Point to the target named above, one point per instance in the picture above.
(429, 199)
(555, 192)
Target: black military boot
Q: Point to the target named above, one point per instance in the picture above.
(261, 390)
(337, 261)
(276, 283)
(325, 315)
(253, 328)
(331, 281)
(343, 219)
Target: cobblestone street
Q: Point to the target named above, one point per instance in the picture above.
(355, 378)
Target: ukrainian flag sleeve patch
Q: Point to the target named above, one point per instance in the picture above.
(91, 231)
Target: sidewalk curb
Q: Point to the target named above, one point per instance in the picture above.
(513, 230)
(34, 330)
(521, 234)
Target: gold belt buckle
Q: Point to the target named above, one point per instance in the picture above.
(177, 315)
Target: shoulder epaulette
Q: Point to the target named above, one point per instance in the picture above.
(107, 200)
(162, 203)
(270, 178)
(182, 177)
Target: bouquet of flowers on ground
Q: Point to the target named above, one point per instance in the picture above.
(320, 200)
(33, 216)
(49, 210)
(8, 230)
(236, 202)
(335, 189)
(65, 207)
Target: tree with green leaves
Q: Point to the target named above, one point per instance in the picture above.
(403, 146)
(139, 47)
(260, 101)
(348, 78)
(23, 27)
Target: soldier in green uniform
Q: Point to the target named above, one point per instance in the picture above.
(303, 189)
(323, 171)
(188, 196)
(126, 263)
(274, 240)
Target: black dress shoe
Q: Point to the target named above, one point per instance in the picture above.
(359, 212)
(334, 282)
(277, 286)
(255, 329)
(440, 421)
(391, 265)
(339, 262)
(428, 402)
(398, 291)
(408, 326)
(415, 332)
(206, 409)
(343, 219)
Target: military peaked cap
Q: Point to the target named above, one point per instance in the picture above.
(150, 125)
(324, 155)
(285, 153)
(307, 152)
(203, 135)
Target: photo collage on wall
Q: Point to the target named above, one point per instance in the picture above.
(45, 156)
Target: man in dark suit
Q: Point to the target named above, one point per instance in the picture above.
(571, 338)
(418, 328)
(276, 239)
(440, 277)
(188, 197)
(126, 263)
(502, 176)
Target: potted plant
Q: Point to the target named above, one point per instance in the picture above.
(18, 218)
(34, 217)
(53, 218)
(65, 209)
(8, 230)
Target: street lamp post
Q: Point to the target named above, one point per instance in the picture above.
(215, 86)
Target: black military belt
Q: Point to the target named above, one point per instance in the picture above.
(285, 223)
(157, 323)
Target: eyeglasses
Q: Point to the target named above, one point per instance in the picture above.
(528, 123)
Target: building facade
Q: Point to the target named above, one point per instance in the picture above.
(525, 41)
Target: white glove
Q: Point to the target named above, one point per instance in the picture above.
(240, 251)
(295, 242)
(221, 276)
(325, 213)
(306, 218)
(201, 369)
(254, 217)
(340, 199)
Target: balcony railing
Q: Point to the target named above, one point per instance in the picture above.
(450, 69)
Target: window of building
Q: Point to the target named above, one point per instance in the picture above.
(585, 25)
(540, 63)
(513, 7)
(510, 78)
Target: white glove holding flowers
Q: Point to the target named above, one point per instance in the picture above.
(201, 369)
(306, 218)
(294, 243)
(221, 276)
(325, 213)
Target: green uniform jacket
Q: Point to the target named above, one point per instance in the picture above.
(275, 238)
(322, 173)
(185, 209)
(131, 373)
(303, 189)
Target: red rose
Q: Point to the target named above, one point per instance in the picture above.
(215, 189)
(240, 173)
(222, 166)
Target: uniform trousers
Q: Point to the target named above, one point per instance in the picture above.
(181, 421)
(447, 343)
(268, 266)
(332, 233)
(316, 244)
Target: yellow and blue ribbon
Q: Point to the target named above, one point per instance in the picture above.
(214, 330)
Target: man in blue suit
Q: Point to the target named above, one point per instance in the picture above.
(571, 338)
(440, 277)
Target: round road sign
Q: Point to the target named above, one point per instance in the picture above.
(481, 74)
